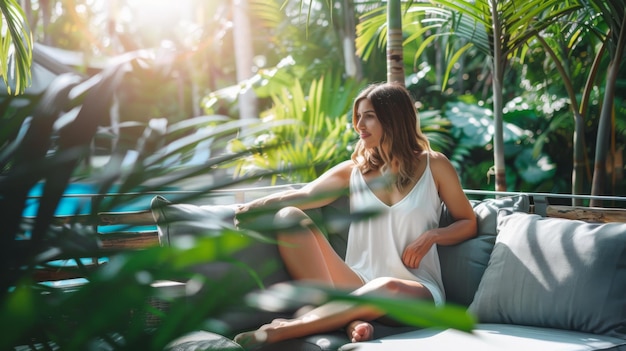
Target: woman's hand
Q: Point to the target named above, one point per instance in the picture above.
(415, 251)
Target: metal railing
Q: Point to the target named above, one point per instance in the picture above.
(237, 195)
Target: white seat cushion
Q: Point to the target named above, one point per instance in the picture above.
(492, 337)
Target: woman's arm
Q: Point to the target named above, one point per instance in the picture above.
(452, 195)
(320, 192)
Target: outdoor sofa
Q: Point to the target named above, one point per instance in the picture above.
(533, 281)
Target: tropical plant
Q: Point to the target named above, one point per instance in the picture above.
(592, 31)
(315, 48)
(508, 33)
(526, 168)
(559, 41)
(317, 134)
(16, 47)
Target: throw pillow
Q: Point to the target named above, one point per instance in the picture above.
(556, 273)
(463, 265)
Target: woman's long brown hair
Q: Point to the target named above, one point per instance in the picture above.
(402, 138)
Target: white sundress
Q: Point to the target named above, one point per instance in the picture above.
(375, 245)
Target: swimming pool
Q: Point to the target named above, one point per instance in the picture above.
(77, 199)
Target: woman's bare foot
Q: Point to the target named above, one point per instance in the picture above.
(360, 331)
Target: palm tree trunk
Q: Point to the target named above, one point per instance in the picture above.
(498, 76)
(604, 126)
(348, 39)
(243, 58)
(439, 60)
(395, 60)
(46, 18)
(578, 169)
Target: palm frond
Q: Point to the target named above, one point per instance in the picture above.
(17, 46)
(371, 32)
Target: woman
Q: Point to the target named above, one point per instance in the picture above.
(392, 170)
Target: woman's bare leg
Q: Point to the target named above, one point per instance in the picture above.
(328, 317)
(308, 255)
(361, 330)
(333, 315)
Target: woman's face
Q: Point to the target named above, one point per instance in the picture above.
(368, 126)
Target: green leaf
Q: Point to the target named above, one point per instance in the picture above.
(17, 314)
(16, 48)
(473, 125)
(533, 169)
(411, 311)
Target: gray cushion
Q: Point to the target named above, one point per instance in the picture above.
(179, 220)
(463, 265)
(319, 342)
(556, 273)
(203, 341)
(174, 220)
(334, 219)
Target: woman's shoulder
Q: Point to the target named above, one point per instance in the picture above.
(346, 166)
(440, 166)
(438, 161)
(338, 177)
(434, 157)
(341, 170)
